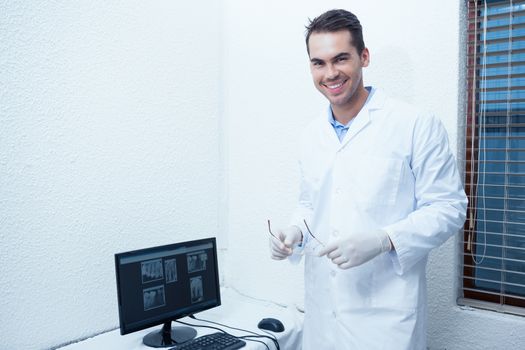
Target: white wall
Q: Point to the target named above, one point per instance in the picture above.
(268, 96)
(125, 125)
(108, 142)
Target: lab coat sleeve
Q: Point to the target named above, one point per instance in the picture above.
(440, 201)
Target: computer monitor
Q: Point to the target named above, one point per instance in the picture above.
(160, 284)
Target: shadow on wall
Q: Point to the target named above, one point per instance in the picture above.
(392, 69)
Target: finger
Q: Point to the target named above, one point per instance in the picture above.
(277, 244)
(279, 253)
(278, 256)
(328, 248)
(290, 241)
(280, 235)
(345, 265)
(340, 260)
(334, 254)
(278, 247)
(282, 250)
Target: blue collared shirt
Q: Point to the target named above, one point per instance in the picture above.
(341, 129)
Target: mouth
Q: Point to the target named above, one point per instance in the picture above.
(335, 87)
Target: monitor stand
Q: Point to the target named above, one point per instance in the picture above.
(169, 336)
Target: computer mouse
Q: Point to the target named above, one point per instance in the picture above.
(271, 324)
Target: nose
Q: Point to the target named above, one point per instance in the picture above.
(331, 72)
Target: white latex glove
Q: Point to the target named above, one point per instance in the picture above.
(356, 249)
(282, 246)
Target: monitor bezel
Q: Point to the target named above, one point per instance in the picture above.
(125, 328)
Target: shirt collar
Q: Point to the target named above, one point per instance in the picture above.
(371, 91)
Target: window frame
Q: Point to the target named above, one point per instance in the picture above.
(470, 294)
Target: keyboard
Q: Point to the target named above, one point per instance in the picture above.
(214, 341)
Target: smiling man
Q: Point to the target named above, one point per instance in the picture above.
(337, 70)
(379, 190)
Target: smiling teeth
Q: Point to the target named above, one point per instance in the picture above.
(334, 86)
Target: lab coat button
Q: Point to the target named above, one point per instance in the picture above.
(333, 273)
(335, 233)
(334, 314)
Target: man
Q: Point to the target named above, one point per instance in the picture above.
(379, 190)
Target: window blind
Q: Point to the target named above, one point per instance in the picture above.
(494, 233)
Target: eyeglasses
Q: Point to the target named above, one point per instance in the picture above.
(312, 246)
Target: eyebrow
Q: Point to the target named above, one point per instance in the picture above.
(341, 55)
(336, 57)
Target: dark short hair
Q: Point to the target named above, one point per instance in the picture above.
(334, 21)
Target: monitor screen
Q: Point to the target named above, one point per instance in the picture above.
(160, 284)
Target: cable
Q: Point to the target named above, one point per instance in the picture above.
(221, 330)
(481, 153)
(271, 337)
(198, 325)
(247, 337)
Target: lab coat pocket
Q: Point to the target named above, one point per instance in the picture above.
(376, 180)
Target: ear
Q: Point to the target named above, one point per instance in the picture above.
(365, 57)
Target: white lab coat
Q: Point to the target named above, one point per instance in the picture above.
(392, 171)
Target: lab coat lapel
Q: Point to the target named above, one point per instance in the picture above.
(363, 118)
(360, 122)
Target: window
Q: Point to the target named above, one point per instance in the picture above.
(494, 234)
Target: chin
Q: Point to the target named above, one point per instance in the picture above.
(339, 100)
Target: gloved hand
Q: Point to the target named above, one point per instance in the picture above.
(282, 246)
(356, 249)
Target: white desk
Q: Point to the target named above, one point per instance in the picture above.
(236, 311)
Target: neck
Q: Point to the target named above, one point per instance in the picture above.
(344, 113)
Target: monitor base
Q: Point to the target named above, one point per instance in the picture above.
(169, 336)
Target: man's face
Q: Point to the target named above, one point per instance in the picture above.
(336, 66)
